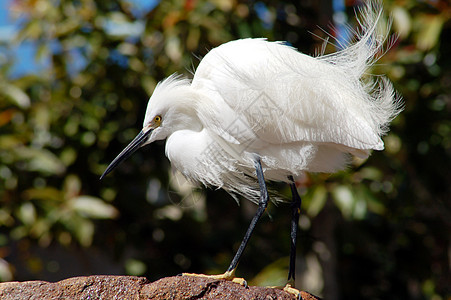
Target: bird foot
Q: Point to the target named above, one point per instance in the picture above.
(290, 289)
(229, 275)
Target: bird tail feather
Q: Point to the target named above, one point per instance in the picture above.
(356, 59)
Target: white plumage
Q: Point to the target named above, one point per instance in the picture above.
(254, 98)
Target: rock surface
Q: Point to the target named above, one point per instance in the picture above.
(139, 288)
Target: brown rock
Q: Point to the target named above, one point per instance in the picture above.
(139, 288)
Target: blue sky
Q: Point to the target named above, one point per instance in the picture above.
(24, 54)
(6, 26)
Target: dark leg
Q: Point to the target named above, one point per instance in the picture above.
(296, 209)
(262, 204)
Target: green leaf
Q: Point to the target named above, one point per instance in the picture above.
(84, 232)
(317, 201)
(135, 267)
(40, 160)
(430, 27)
(9, 141)
(92, 207)
(15, 95)
(27, 213)
(401, 21)
(5, 218)
(344, 199)
(47, 193)
(370, 173)
(373, 203)
(360, 208)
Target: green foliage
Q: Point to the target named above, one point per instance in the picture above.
(384, 222)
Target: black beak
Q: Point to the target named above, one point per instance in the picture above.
(134, 145)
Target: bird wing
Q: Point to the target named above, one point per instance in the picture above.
(284, 96)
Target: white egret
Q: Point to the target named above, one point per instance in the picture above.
(258, 110)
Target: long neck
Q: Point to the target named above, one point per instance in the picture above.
(185, 114)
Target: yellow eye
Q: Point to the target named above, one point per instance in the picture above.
(157, 119)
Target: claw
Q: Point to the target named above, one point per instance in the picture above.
(289, 289)
(241, 281)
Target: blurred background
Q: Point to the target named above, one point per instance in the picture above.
(75, 77)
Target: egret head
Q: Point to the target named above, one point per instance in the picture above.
(170, 108)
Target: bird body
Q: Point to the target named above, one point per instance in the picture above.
(296, 112)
